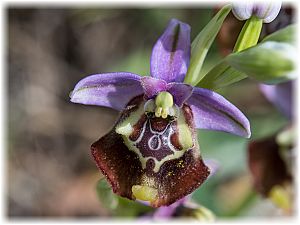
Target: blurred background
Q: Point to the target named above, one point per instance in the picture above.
(50, 169)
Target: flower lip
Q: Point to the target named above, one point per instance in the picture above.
(128, 172)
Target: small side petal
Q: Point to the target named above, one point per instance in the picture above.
(213, 112)
(112, 90)
(153, 86)
(171, 53)
(180, 92)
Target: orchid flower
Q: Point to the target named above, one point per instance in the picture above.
(152, 153)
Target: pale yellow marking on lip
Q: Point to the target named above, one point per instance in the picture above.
(185, 139)
(125, 128)
(144, 193)
(184, 133)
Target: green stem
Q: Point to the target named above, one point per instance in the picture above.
(202, 44)
(249, 34)
(222, 72)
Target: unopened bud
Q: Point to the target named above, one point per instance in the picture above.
(270, 62)
(267, 10)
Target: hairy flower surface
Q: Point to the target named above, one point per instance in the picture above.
(152, 152)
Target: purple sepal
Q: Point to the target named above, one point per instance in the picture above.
(213, 112)
(112, 90)
(281, 96)
(171, 53)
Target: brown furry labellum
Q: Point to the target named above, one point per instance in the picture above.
(151, 158)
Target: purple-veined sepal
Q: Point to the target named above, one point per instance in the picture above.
(171, 54)
(113, 90)
(213, 112)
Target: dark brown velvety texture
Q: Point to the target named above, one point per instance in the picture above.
(266, 165)
(175, 179)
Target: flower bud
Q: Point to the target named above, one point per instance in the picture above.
(196, 212)
(286, 35)
(242, 11)
(203, 214)
(269, 62)
(267, 10)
